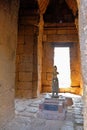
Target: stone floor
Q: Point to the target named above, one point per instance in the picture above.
(26, 116)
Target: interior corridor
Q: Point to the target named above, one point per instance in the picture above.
(29, 32)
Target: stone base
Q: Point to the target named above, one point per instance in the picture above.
(52, 109)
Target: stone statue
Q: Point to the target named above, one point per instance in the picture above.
(55, 82)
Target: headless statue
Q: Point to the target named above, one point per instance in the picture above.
(55, 82)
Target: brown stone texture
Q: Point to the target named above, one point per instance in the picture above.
(8, 40)
(75, 65)
(47, 66)
(26, 59)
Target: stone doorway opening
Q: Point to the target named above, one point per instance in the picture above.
(62, 61)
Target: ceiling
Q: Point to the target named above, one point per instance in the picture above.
(57, 10)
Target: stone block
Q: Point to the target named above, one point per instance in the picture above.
(61, 31)
(25, 67)
(24, 94)
(29, 40)
(35, 77)
(20, 49)
(52, 108)
(25, 76)
(62, 38)
(17, 76)
(49, 76)
(17, 59)
(75, 90)
(21, 67)
(29, 30)
(34, 94)
(47, 83)
(28, 49)
(24, 85)
(20, 39)
(25, 58)
(21, 31)
(34, 85)
(43, 76)
(27, 20)
(46, 88)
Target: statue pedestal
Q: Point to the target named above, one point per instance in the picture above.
(53, 108)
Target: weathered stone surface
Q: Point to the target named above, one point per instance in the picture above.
(24, 85)
(25, 76)
(26, 119)
(26, 60)
(8, 41)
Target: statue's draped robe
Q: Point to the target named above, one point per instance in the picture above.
(55, 85)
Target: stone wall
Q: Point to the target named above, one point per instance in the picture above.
(8, 40)
(26, 59)
(75, 65)
(47, 66)
(62, 35)
(26, 63)
(83, 48)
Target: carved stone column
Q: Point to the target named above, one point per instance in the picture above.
(42, 8)
(39, 50)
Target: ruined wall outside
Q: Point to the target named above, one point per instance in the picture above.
(26, 60)
(83, 48)
(65, 35)
(8, 41)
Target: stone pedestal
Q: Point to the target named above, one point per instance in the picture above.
(54, 108)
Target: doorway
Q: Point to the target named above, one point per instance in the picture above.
(62, 61)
